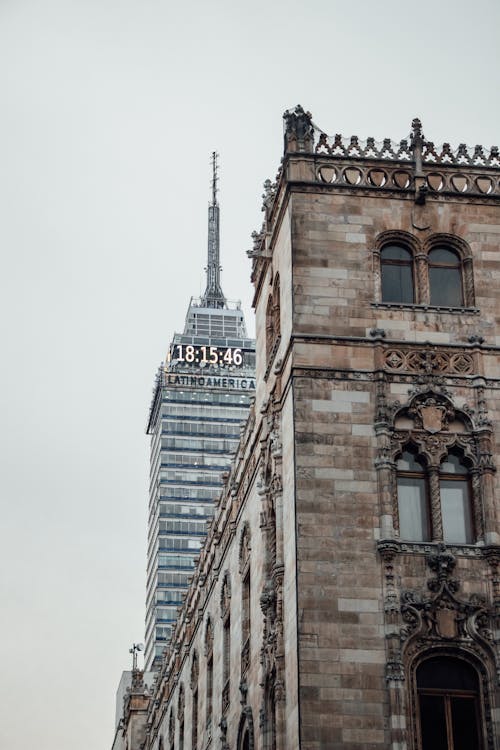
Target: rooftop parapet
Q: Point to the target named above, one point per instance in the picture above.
(303, 135)
(412, 169)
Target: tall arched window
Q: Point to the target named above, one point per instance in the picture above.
(445, 277)
(413, 502)
(180, 715)
(194, 701)
(273, 319)
(455, 493)
(269, 718)
(209, 653)
(448, 705)
(171, 730)
(225, 603)
(246, 740)
(396, 265)
(269, 326)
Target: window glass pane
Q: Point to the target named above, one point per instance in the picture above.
(446, 286)
(394, 252)
(464, 723)
(446, 674)
(456, 511)
(408, 462)
(412, 503)
(453, 465)
(433, 722)
(445, 256)
(397, 283)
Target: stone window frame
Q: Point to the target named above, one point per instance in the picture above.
(432, 449)
(420, 254)
(483, 702)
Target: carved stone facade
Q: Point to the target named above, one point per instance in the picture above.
(359, 526)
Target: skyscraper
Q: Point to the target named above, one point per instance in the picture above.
(201, 396)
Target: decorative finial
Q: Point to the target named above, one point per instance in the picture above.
(417, 147)
(299, 130)
(136, 647)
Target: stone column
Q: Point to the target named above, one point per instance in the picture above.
(422, 279)
(436, 517)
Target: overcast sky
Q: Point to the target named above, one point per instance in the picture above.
(109, 112)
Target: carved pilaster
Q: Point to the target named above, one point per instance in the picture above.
(468, 282)
(492, 554)
(377, 276)
(435, 503)
(477, 506)
(422, 279)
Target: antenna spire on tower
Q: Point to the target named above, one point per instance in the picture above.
(214, 296)
(215, 177)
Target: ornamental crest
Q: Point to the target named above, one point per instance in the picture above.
(431, 413)
(432, 417)
(443, 615)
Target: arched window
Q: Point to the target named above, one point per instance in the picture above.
(396, 265)
(269, 718)
(180, 715)
(225, 602)
(195, 668)
(269, 326)
(455, 493)
(445, 278)
(244, 560)
(171, 730)
(413, 502)
(273, 319)
(448, 705)
(245, 740)
(449, 485)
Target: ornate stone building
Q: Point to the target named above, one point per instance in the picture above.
(348, 592)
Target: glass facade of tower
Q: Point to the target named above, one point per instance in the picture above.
(201, 398)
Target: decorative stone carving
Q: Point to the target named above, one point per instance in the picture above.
(225, 595)
(443, 615)
(245, 548)
(181, 703)
(429, 361)
(299, 131)
(195, 670)
(431, 414)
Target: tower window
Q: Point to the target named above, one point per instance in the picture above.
(397, 274)
(445, 278)
(450, 488)
(454, 489)
(413, 505)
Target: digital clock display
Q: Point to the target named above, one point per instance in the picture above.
(225, 356)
